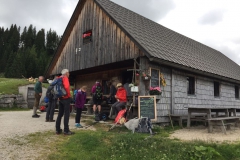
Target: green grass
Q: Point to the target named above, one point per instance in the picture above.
(10, 86)
(122, 144)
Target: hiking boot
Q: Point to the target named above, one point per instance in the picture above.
(68, 133)
(46, 120)
(78, 125)
(35, 116)
(52, 120)
(58, 131)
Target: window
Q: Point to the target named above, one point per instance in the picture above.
(216, 89)
(155, 78)
(87, 37)
(191, 85)
(237, 92)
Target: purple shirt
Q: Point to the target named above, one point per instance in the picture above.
(80, 99)
(95, 86)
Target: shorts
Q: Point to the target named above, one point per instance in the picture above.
(97, 101)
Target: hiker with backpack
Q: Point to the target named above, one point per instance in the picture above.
(52, 101)
(97, 94)
(62, 91)
(79, 103)
(121, 97)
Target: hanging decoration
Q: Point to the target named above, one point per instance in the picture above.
(163, 81)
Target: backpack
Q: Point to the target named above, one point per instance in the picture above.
(144, 125)
(46, 99)
(98, 93)
(42, 109)
(75, 95)
(101, 117)
(59, 90)
(49, 93)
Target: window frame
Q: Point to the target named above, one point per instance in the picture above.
(87, 39)
(159, 81)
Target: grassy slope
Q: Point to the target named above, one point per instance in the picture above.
(10, 86)
(121, 144)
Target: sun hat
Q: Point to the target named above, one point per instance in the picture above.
(119, 85)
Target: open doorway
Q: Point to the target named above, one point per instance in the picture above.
(127, 76)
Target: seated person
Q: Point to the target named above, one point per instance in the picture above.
(113, 90)
(121, 97)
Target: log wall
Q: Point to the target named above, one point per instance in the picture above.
(109, 43)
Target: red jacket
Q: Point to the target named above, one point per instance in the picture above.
(66, 85)
(122, 95)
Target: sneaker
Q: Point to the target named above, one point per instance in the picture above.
(68, 133)
(59, 131)
(78, 125)
(51, 120)
(35, 116)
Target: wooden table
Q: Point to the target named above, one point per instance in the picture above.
(209, 112)
(223, 121)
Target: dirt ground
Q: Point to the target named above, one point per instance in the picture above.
(201, 133)
(14, 126)
(17, 124)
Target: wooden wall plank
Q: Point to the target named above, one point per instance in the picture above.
(109, 44)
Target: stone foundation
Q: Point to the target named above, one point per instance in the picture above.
(13, 100)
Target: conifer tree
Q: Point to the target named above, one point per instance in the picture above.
(40, 41)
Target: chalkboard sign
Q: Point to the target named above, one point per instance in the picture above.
(155, 80)
(147, 107)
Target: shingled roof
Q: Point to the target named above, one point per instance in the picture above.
(164, 44)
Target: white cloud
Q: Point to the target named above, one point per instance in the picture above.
(223, 33)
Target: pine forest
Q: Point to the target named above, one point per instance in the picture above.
(26, 53)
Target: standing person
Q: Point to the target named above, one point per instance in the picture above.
(79, 103)
(127, 88)
(121, 97)
(51, 104)
(97, 97)
(64, 105)
(112, 93)
(38, 94)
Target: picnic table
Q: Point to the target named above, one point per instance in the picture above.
(211, 115)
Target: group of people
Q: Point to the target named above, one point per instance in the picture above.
(64, 104)
(117, 96)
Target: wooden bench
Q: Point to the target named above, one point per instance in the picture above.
(104, 108)
(179, 118)
(222, 121)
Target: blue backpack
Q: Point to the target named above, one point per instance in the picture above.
(59, 90)
(75, 95)
(46, 100)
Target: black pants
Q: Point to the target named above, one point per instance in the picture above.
(50, 109)
(64, 109)
(118, 106)
(78, 115)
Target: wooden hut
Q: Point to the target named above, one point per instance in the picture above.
(102, 39)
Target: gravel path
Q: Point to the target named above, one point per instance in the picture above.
(201, 133)
(14, 125)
